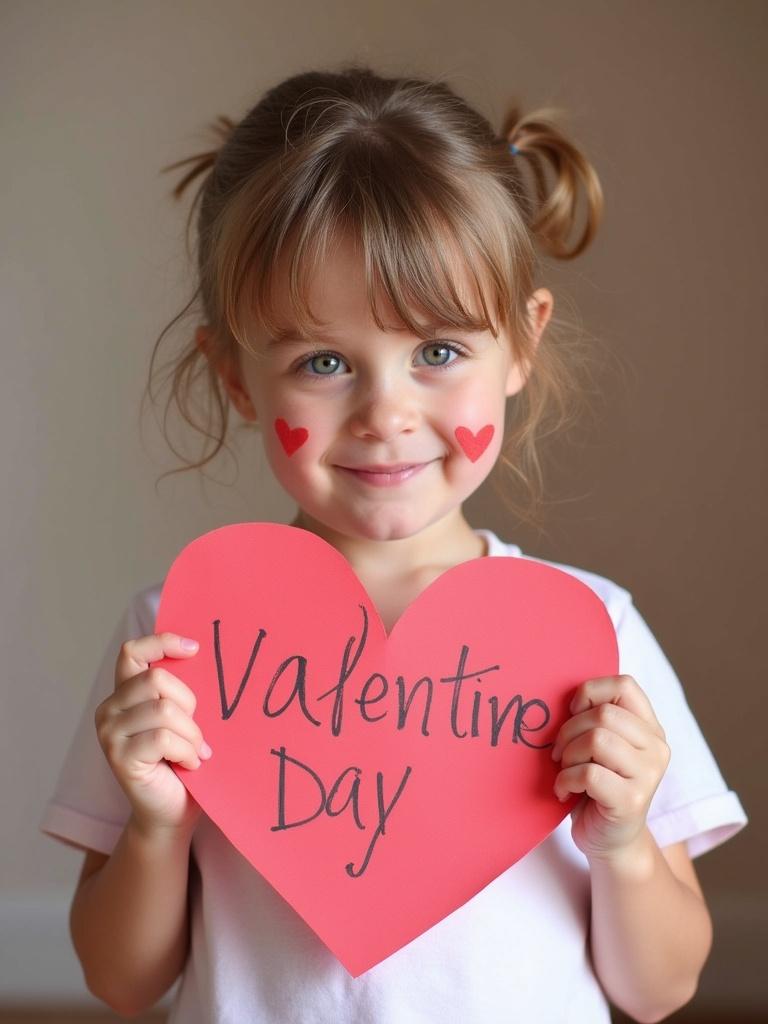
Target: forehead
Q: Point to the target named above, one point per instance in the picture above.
(337, 296)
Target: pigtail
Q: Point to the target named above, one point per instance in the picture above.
(223, 127)
(540, 141)
(202, 164)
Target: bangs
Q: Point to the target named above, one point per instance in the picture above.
(434, 246)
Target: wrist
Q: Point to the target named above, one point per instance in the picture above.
(635, 861)
(158, 836)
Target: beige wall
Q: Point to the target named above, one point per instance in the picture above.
(665, 494)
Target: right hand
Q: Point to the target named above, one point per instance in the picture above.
(146, 723)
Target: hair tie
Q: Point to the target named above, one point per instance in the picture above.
(513, 149)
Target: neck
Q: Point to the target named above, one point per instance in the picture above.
(447, 542)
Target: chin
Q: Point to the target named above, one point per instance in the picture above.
(372, 531)
(388, 526)
(385, 525)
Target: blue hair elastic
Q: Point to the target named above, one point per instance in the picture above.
(513, 149)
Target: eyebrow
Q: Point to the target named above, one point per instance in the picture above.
(292, 335)
(288, 335)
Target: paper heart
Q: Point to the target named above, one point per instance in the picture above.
(473, 445)
(291, 438)
(419, 764)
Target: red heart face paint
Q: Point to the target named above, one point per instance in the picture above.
(473, 445)
(290, 438)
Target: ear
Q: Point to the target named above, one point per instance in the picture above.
(227, 366)
(540, 307)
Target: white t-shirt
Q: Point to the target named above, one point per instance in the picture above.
(516, 952)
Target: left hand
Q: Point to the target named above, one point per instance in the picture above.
(614, 751)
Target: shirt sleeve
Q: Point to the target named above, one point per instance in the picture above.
(88, 808)
(692, 803)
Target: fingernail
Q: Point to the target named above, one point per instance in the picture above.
(189, 645)
(205, 751)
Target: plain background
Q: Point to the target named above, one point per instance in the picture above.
(664, 492)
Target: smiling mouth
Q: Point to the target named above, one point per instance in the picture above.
(385, 476)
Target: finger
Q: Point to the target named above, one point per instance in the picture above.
(606, 748)
(135, 656)
(605, 716)
(160, 713)
(161, 744)
(599, 783)
(153, 684)
(621, 690)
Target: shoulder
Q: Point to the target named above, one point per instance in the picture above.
(617, 599)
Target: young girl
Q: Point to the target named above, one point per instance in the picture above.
(366, 252)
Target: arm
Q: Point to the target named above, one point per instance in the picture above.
(651, 932)
(129, 919)
(650, 929)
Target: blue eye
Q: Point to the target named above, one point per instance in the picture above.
(322, 364)
(438, 353)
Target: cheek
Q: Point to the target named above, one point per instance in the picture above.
(474, 444)
(295, 436)
(290, 438)
(475, 427)
(294, 430)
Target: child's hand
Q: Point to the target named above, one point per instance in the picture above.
(615, 752)
(144, 724)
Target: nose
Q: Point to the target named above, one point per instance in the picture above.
(382, 414)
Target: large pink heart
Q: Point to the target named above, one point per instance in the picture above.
(377, 783)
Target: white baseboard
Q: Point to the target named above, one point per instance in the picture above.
(38, 966)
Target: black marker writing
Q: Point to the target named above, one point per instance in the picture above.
(228, 709)
(326, 801)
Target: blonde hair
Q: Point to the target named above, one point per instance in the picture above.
(415, 174)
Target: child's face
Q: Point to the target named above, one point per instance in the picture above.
(376, 434)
